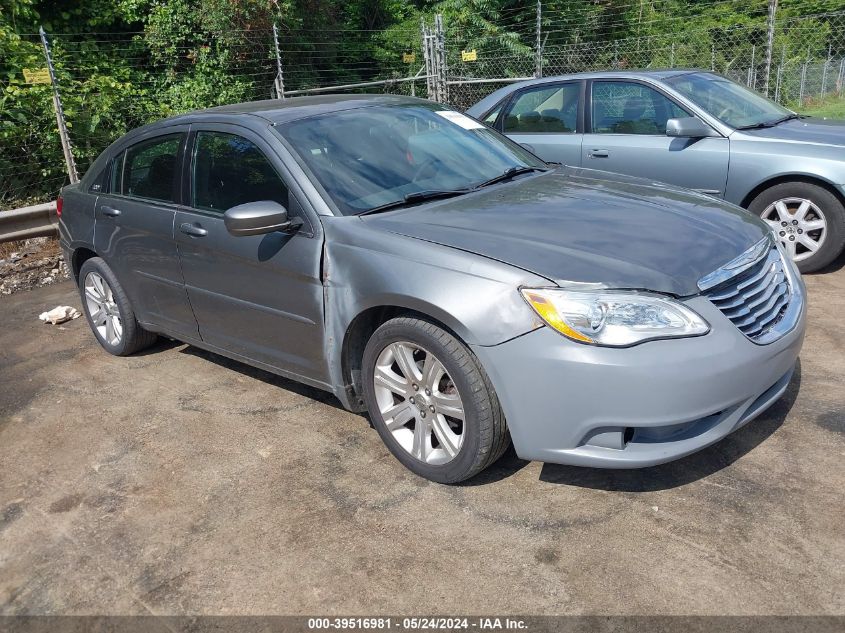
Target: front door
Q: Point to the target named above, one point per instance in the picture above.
(545, 120)
(133, 230)
(626, 134)
(259, 297)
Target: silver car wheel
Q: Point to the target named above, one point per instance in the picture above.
(101, 306)
(419, 402)
(799, 224)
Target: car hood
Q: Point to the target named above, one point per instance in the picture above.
(811, 130)
(583, 226)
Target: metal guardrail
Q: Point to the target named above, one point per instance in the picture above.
(39, 220)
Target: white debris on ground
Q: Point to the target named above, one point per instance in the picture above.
(60, 314)
(34, 263)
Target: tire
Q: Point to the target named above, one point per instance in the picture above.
(822, 204)
(101, 292)
(468, 446)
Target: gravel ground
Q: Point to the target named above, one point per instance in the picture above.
(177, 482)
(31, 264)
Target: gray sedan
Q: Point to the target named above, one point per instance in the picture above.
(428, 270)
(697, 130)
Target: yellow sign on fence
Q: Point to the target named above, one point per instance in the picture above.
(469, 56)
(409, 58)
(36, 75)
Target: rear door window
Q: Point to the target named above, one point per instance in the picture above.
(150, 168)
(547, 109)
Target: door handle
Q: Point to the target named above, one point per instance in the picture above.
(598, 153)
(194, 230)
(110, 212)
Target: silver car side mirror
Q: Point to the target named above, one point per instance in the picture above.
(688, 127)
(256, 218)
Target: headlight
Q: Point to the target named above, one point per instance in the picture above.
(613, 318)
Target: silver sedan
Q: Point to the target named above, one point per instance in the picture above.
(697, 130)
(428, 270)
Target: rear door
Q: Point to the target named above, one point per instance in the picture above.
(626, 134)
(259, 297)
(133, 228)
(547, 119)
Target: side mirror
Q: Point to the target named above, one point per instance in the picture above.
(688, 127)
(256, 218)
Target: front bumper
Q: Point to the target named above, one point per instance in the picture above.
(569, 403)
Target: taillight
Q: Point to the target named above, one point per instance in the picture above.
(59, 203)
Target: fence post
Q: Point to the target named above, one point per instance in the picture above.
(280, 78)
(779, 78)
(432, 62)
(442, 69)
(824, 70)
(713, 57)
(841, 77)
(750, 81)
(60, 114)
(538, 46)
(672, 56)
(803, 81)
(770, 41)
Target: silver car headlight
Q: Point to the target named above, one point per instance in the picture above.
(614, 318)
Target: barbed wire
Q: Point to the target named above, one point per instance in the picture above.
(106, 79)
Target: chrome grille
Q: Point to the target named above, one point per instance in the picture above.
(756, 298)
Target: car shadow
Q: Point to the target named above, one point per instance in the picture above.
(509, 464)
(306, 391)
(687, 469)
(161, 345)
(672, 475)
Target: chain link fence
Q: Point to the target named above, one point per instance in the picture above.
(807, 58)
(111, 83)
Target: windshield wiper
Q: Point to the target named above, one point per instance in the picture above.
(422, 196)
(416, 196)
(510, 172)
(758, 126)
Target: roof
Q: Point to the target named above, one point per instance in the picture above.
(658, 74)
(292, 108)
(653, 73)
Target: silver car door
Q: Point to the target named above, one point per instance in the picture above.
(134, 229)
(546, 119)
(626, 134)
(259, 297)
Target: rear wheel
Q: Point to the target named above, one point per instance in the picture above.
(807, 219)
(431, 401)
(109, 312)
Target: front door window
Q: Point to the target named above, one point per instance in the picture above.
(623, 107)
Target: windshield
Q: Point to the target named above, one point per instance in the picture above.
(729, 102)
(376, 155)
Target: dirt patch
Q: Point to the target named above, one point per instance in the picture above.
(30, 264)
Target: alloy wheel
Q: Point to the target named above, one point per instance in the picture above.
(419, 402)
(104, 312)
(799, 224)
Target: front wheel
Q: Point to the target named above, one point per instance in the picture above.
(431, 401)
(807, 219)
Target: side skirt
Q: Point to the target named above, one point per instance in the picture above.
(241, 359)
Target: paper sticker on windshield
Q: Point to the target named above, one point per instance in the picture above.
(461, 119)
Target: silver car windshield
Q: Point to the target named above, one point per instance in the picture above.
(731, 103)
(373, 156)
